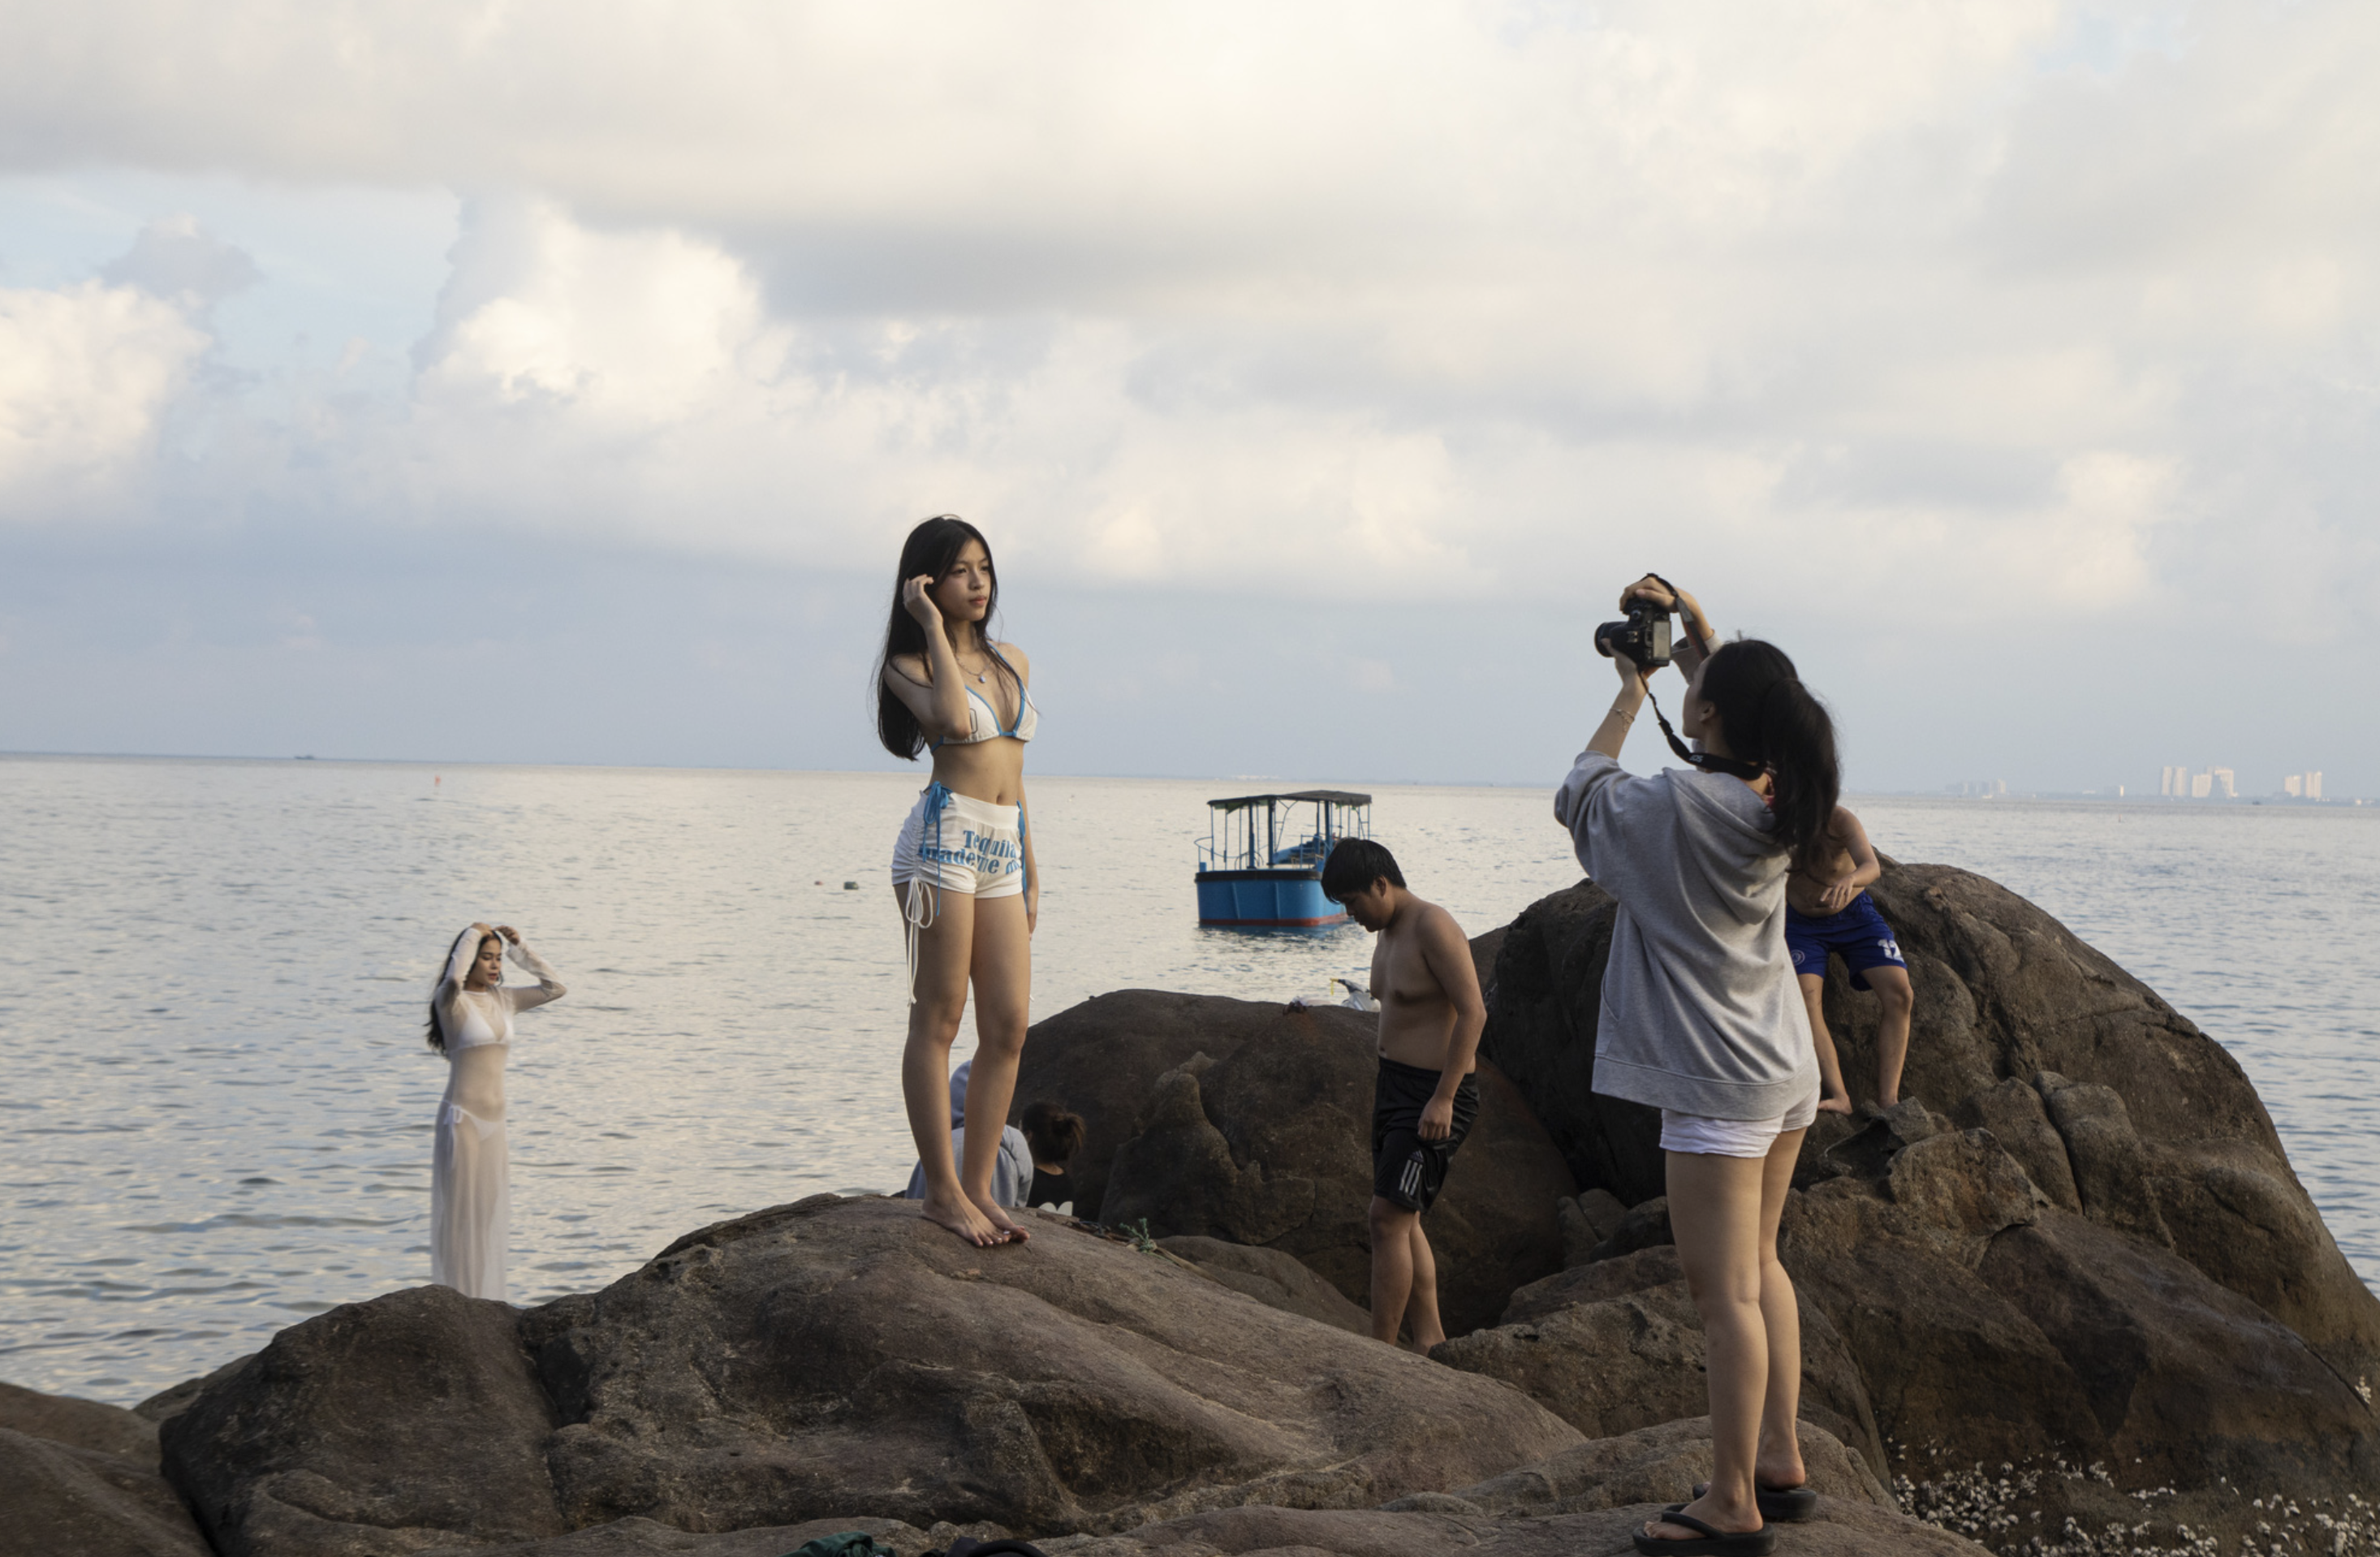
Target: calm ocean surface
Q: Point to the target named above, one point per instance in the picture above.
(215, 973)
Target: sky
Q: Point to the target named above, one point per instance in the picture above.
(544, 383)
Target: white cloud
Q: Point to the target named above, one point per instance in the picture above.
(86, 373)
(1984, 305)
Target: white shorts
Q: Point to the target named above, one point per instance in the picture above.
(955, 844)
(1733, 1138)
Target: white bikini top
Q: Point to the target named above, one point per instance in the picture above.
(983, 720)
(474, 1030)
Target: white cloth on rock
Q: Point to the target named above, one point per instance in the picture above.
(470, 1179)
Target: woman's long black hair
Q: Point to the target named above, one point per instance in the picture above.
(931, 550)
(1768, 717)
(437, 1034)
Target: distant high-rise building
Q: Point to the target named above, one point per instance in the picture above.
(2226, 783)
(2201, 784)
(2169, 782)
(2293, 786)
(2314, 785)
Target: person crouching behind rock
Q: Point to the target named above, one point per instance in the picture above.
(1701, 1019)
(1055, 1138)
(1425, 1099)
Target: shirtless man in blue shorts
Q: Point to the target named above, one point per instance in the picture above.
(1828, 910)
(1425, 1100)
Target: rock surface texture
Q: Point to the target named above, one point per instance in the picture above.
(78, 1477)
(826, 1358)
(2076, 1241)
(1269, 1144)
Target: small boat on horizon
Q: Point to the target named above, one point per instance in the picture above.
(1250, 878)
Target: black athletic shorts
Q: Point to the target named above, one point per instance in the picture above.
(1406, 1169)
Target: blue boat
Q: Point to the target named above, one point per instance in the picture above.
(1261, 864)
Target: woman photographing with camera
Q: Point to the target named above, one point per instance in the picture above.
(1701, 1018)
(963, 866)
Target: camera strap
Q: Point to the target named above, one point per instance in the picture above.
(1708, 762)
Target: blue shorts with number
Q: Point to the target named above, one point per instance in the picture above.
(1858, 933)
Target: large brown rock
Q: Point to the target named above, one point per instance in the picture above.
(1616, 1346)
(816, 1360)
(1099, 1058)
(1271, 1144)
(86, 1424)
(2094, 1249)
(378, 1428)
(1272, 1278)
(1547, 994)
(59, 1497)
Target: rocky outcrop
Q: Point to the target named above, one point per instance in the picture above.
(79, 1477)
(1274, 1279)
(60, 1498)
(2090, 1248)
(1616, 1346)
(1271, 1144)
(2166, 1141)
(832, 1356)
(85, 1424)
(1101, 1058)
(412, 1420)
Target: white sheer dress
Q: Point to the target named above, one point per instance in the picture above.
(470, 1188)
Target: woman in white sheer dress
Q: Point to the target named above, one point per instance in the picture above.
(471, 1024)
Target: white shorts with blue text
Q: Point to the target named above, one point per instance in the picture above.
(954, 843)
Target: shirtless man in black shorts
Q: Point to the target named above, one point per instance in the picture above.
(1424, 1103)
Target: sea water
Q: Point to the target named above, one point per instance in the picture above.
(215, 978)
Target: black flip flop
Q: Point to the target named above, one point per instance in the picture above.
(1712, 1542)
(1779, 1506)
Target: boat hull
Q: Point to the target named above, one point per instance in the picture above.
(1264, 899)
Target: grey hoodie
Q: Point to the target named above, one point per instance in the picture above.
(1012, 1171)
(1701, 1014)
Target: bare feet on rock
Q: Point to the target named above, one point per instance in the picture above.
(997, 1214)
(961, 1217)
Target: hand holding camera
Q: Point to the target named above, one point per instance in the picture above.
(1643, 638)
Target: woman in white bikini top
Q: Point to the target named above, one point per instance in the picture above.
(963, 869)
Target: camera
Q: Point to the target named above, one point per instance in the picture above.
(1643, 637)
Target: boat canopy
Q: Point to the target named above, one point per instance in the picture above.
(1328, 797)
(1276, 833)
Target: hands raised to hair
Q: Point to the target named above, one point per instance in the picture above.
(918, 599)
(509, 933)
